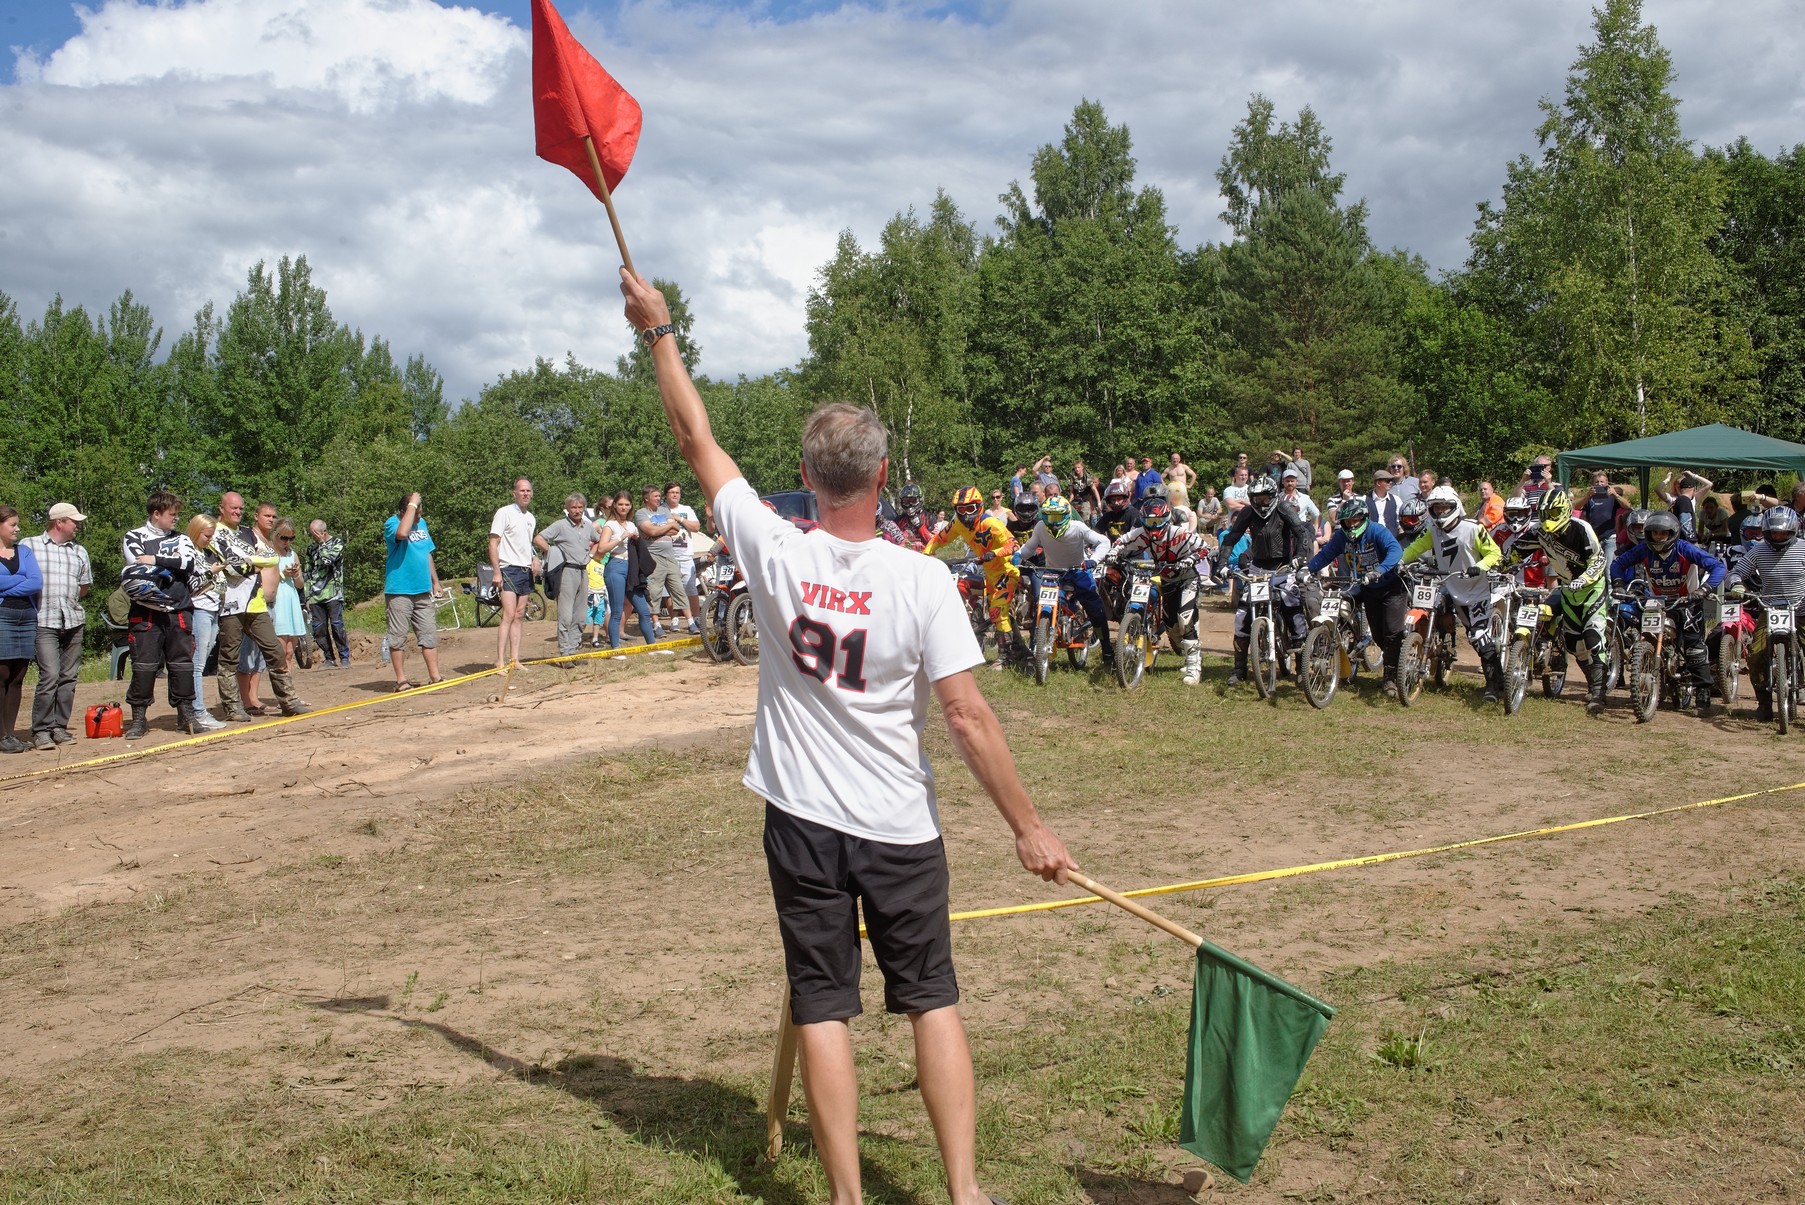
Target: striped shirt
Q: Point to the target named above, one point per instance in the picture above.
(1781, 571)
(66, 570)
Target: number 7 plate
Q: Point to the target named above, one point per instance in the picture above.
(1779, 621)
(1259, 591)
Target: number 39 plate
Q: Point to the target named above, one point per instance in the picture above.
(1141, 591)
(1423, 596)
(1779, 621)
(1259, 591)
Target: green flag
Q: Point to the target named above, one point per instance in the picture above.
(1251, 1034)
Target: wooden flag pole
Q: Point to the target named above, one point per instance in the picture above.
(783, 1074)
(1147, 914)
(601, 182)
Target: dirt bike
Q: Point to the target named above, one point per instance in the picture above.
(1656, 667)
(1729, 636)
(1059, 623)
(1780, 623)
(1269, 642)
(1332, 650)
(720, 583)
(1530, 649)
(740, 626)
(1141, 624)
(970, 576)
(1428, 648)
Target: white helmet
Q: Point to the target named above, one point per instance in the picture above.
(1445, 507)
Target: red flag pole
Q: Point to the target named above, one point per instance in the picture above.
(601, 182)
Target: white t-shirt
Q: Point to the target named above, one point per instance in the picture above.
(683, 535)
(516, 528)
(854, 635)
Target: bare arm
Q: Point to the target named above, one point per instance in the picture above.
(409, 513)
(980, 741)
(495, 555)
(646, 308)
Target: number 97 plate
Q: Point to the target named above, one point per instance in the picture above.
(1779, 621)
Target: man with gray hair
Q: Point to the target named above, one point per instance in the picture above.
(573, 539)
(850, 816)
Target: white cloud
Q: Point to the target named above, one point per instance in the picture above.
(168, 146)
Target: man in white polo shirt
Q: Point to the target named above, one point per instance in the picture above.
(515, 564)
(857, 631)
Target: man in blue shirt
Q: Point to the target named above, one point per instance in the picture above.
(1373, 555)
(1149, 477)
(410, 579)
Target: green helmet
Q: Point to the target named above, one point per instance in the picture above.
(1056, 513)
(1352, 517)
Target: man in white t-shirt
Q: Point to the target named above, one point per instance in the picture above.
(687, 527)
(515, 564)
(858, 630)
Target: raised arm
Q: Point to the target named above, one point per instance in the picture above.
(683, 409)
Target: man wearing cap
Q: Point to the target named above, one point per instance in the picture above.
(68, 576)
(1382, 504)
(1292, 492)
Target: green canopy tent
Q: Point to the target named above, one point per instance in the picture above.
(1713, 446)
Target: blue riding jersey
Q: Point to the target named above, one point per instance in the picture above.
(1683, 569)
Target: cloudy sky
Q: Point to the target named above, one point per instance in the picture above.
(166, 145)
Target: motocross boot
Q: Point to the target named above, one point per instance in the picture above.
(1594, 686)
(1699, 666)
(1193, 663)
(1239, 675)
(1494, 676)
(1764, 705)
(139, 726)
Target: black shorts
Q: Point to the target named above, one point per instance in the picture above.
(517, 579)
(820, 878)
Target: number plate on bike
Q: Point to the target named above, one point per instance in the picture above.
(1423, 596)
(1259, 591)
(1049, 595)
(1732, 613)
(1331, 608)
(1140, 592)
(1528, 615)
(1651, 623)
(1779, 622)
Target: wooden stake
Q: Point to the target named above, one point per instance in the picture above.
(1147, 914)
(601, 182)
(783, 1074)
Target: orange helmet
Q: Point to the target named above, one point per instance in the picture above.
(967, 502)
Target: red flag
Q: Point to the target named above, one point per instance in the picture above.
(574, 97)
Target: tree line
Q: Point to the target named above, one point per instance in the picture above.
(1626, 283)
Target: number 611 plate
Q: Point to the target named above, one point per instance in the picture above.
(1049, 595)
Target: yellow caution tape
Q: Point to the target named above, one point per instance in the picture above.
(1262, 876)
(442, 684)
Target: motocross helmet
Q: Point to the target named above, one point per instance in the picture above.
(1445, 507)
(1156, 511)
(1751, 526)
(1780, 525)
(967, 503)
(1410, 518)
(1263, 496)
(1056, 513)
(1115, 497)
(1662, 530)
(1636, 524)
(910, 500)
(1026, 509)
(1352, 517)
(1557, 511)
(1517, 513)
(154, 588)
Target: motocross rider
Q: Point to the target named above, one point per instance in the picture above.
(1371, 555)
(1280, 538)
(1576, 561)
(1181, 559)
(911, 516)
(1779, 563)
(1463, 551)
(1676, 569)
(991, 543)
(1069, 547)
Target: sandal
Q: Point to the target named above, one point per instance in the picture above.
(262, 709)
(403, 685)
(434, 681)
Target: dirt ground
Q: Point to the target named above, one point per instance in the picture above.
(366, 783)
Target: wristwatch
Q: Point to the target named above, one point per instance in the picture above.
(652, 336)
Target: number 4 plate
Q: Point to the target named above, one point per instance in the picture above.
(1779, 621)
(1141, 591)
(1732, 613)
(1423, 596)
(1259, 591)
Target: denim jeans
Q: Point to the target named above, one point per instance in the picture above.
(59, 663)
(615, 574)
(206, 635)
